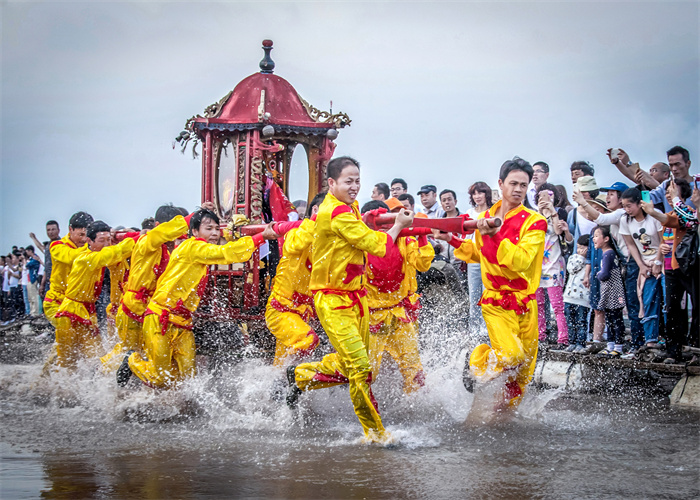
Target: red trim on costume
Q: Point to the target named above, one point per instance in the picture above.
(308, 264)
(309, 350)
(164, 317)
(375, 328)
(540, 225)
(456, 242)
(131, 314)
(371, 394)
(501, 282)
(419, 379)
(336, 378)
(187, 219)
(508, 302)
(258, 239)
(386, 271)
(422, 240)
(159, 268)
(510, 229)
(352, 271)
(513, 390)
(313, 217)
(355, 295)
(201, 286)
(74, 318)
(277, 306)
(341, 209)
(283, 228)
(98, 284)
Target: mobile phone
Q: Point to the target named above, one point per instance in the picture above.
(646, 197)
(696, 178)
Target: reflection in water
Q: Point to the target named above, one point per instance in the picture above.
(220, 436)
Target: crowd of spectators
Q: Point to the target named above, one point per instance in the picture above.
(625, 250)
(629, 249)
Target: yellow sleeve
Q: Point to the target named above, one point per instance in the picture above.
(165, 232)
(110, 255)
(297, 240)
(356, 232)
(467, 251)
(240, 250)
(419, 256)
(64, 253)
(519, 257)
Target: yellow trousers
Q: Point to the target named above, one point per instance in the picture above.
(50, 310)
(400, 341)
(170, 358)
(345, 319)
(74, 341)
(129, 333)
(513, 349)
(295, 338)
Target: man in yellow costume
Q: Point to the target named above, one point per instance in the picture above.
(340, 298)
(392, 327)
(167, 327)
(63, 253)
(290, 304)
(148, 261)
(77, 333)
(511, 265)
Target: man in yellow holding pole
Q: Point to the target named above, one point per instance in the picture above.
(337, 281)
(511, 265)
(167, 327)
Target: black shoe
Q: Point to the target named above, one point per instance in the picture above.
(124, 372)
(293, 392)
(467, 379)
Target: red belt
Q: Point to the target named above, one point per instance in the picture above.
(355, 295)
(164, 317)
(142, 294)
(509, 302)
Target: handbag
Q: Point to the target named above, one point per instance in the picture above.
(687, 251)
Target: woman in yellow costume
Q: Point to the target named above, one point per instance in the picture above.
(391, 326)
(290, 304)
(77, 334)
(148, 261)
(511, 264)
(167, 327)
(340, 298)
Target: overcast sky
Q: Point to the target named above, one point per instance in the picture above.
(93, 94)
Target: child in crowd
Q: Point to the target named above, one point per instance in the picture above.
(643, 235)
(576, 297)
(612, 292)
(553, 264)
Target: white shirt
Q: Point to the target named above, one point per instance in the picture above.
(434, 212)
(645, 235)
(532, 196)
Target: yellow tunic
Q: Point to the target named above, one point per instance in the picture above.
(180, 287)
(337, 280)
(85, 281)
(340, 245)
(148, 261)
(63, 253)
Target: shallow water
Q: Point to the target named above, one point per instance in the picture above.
(221, 436)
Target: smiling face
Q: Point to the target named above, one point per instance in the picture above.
(514, 187)
(612, 200)
(346, 187)
(479, 198)
(208, 230)
(78, 235)
(102, 239)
